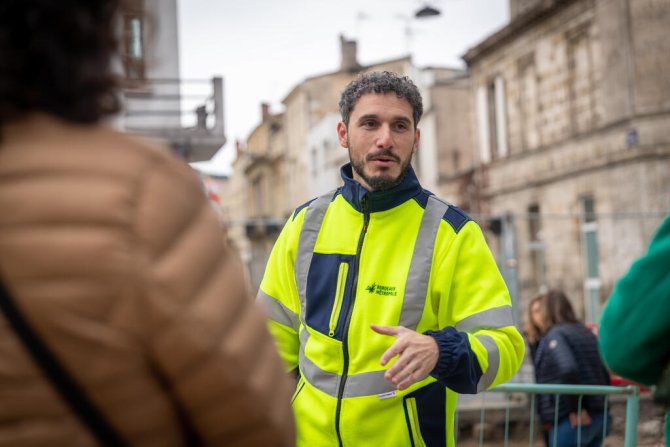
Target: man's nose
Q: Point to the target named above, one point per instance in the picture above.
(384, 137)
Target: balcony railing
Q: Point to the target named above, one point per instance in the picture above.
(186, 113)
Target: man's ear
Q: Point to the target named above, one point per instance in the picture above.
(342, 134)
(417, 138)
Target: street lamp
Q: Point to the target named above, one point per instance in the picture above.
(427, 11)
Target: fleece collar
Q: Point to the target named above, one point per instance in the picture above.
(374, 201)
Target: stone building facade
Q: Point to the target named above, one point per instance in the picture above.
(572, 110)
(261, 180)
(454, 131)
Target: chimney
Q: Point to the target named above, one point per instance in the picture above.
(348, 49)
(265, 110)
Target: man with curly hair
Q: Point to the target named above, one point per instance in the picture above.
(384, 299)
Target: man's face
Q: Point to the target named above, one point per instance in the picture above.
(381, 139)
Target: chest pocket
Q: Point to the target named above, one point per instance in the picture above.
(329, 293)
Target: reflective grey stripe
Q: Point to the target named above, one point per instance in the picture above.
(276, 311)
(489, 376)
(310, 231)
(495, 318)
(367, 384)
(325, 381)
(358, 385)
(416, 286)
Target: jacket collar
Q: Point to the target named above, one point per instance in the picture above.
(374, 201)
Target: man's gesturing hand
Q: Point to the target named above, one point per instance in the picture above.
(418, 355)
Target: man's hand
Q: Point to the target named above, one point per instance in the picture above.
(418, 355)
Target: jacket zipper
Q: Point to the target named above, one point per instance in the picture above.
(339, 297)
(350, 306)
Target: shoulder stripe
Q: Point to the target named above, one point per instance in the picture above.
(422, 198)
(416, 286)
(309, 202)
(302, 207)
(454, 216)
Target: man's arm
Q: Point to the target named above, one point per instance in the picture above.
(278, 294)
(480, 346)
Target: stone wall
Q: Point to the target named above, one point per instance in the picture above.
(587, 107)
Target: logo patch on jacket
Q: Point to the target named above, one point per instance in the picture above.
(378, 289)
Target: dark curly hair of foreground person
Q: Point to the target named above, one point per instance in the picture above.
(57, 57)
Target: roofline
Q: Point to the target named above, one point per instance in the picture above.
(537, 14)
(360, 68)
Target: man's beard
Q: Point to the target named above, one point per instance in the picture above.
(380, 182)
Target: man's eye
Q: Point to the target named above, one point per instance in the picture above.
(401, 126)
(369, 124)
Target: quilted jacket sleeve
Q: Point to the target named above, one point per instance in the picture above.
(635, 324)
(204, 334)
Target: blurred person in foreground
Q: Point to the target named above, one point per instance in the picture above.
(635, 325)
(111, 252)
(565, 351)
(384, 299)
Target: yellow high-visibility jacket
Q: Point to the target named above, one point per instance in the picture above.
(400, 257)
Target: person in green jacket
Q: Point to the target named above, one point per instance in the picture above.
(635, 326)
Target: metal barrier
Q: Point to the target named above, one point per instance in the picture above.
(529, 391)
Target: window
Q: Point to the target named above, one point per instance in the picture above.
(592, 283)
(528, 103)
(580, 69)
(491, 116)
(491, 119)
(135, 37)
(536, 247)
(257, 192)
(133, 45)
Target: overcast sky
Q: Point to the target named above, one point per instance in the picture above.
(263, 48)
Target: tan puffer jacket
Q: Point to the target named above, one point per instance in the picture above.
(113, 253)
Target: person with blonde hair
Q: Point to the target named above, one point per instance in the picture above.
(564, 351)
